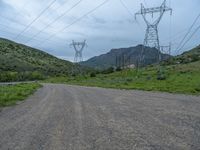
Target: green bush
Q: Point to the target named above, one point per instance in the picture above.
(118, 69)
(108, 71)
(9, 76)
(92, 75)
(161, 75)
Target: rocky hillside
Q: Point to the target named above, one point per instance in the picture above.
(124, 55)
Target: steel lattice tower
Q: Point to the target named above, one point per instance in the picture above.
(78, 47)
(152, 36)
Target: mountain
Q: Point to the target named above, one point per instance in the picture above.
(16, 57)
(128, 56)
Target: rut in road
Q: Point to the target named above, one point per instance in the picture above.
(61, 117)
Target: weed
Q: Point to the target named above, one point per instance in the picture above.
(11, 94)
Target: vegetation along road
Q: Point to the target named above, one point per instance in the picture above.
(62, 117)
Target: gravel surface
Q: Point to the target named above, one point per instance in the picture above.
(61, 117)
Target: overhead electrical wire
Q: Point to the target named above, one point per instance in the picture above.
(11, 20)
(195, 31)
(55, 20)
(11, 33)
(175, 36)
(189, 30)
(34, 20)
(126, 8)
(129, 12)
(74, 22)
(15, 28)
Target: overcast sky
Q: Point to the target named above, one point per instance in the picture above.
(110, 26)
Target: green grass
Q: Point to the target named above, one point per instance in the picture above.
(16, 58)
(11, 94)
(182, 78)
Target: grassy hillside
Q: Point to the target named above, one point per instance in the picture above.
(187, 57)
(18, 59)
(180, 74)
(181, 78)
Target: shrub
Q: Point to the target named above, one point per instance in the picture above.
(129, 80)
(92, 75)
(161, 76)
(108, 71)
(197, 88)
(118, 69)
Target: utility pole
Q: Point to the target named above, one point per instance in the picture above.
(152, 36)
(78, 47)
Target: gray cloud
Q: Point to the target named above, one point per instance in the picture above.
(111, 26)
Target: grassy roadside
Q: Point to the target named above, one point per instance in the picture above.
(183, 78)
(11, 94)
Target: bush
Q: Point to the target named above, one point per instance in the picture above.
(92, 75)
(161, 76)
(9, 76)
(195, 58)
(118, 69)
(36, 76)
(197, 88)
(108, 71)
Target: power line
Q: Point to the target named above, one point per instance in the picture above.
(34, 20)
(77, 20)
(195, 31)
(189, 30)
(10, 33)
(130, 13)
(7, 26)
(58, 7)
(126, 8)
(175, 36)
(56, 19)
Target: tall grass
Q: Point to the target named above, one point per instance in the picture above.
(11, 94)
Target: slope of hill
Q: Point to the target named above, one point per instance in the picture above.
(177, 76)
(19, 58)
(128, 55)
(189, 56)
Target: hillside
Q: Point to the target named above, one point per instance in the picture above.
(19, 58)
(127, 55)
(189, 56)
(186, 57)
(180, 75)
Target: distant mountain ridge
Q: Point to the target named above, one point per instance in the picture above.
(20, 58)
(129, 55)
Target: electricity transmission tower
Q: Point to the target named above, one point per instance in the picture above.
(151, 36)
(78, 47)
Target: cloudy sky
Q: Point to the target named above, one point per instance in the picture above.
(51, 25)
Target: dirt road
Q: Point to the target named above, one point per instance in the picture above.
(61, 117)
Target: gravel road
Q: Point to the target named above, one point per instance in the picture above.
(61, 117)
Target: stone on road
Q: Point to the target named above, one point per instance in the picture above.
(61, 117)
